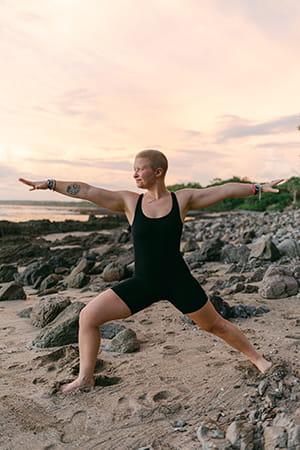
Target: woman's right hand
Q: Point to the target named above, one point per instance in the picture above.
(35, 184)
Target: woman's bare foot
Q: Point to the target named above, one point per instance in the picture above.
(262, 364)
(79, 383)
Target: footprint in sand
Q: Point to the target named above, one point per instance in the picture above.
(8, 330)
(76, 428)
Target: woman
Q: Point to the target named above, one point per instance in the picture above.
(156, 218)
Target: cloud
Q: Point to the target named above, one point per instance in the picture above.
(191, 134)
(236, 127)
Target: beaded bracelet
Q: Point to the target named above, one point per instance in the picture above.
(51, 184)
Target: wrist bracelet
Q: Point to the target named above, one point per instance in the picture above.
(258, 190)
(51, 184)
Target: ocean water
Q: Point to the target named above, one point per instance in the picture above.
(22, 213)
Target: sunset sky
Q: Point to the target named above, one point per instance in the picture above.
(86, 84)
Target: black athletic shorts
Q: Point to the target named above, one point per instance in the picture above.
(185, 293)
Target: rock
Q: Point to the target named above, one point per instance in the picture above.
(211, 250)
(13, 291)
(278, 282)
(190, 245)
(209, 435)
(223, 308)
(124, 342)
(33, 272)
(275, 437)
(84, 265)
(241, 435)
(48, 282)
(256, 276)
(262, 387)
(78, 280)
(124, 237)
(62, 330)
(290, 248)
(250, 289)
(264, 249)
(47, 309)
(291, 427)
(113, 272)
(7, 272)
(234, 254)
(111, 329)
(25, 313)
(188, 320)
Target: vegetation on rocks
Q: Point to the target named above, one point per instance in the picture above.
(289, 195)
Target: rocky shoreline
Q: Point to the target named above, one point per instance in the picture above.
(235, 256)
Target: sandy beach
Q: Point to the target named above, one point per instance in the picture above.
(154, 398)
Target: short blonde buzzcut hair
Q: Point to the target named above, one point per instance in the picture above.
(157, 159)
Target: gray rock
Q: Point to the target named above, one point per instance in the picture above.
(48, 282)
(7, 272)
(275, 437)
(290, 248)
(84, 265)
(78, 280)
(257, 275)
(290, 425)
(62, 330)
(25, 313)
(124, 342)
(33, 272)
(209, 435)
(223, 308)
(262, 387)
(111, 329)
(47, 309)
(113, 272)
(264, 249)
(234, 254)
(211, 250)
(278, 282)
(190, 245)
(13, 291)
(241, 435)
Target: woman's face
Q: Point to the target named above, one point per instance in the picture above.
(143, 173)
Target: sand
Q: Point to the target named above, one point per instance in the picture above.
(181, 373)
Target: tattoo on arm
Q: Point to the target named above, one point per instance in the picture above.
(73, 189)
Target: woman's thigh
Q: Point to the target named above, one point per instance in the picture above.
(206, 317)
(105, 307)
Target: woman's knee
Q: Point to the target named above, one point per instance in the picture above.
(87, 317)
(218, 327)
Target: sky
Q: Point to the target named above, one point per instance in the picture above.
(87, 84)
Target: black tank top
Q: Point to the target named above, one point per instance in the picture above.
(157, 243)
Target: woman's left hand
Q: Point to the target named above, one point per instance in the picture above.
(269, 187)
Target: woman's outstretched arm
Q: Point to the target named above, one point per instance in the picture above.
(202, 198)
(113, 200)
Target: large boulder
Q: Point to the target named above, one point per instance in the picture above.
(7, 272)
(47, 309)
(264, 249)
(278, 282)
(62, 330)
(13, 291)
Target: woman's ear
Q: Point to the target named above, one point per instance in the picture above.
(159, 171)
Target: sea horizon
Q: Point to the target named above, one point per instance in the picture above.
(25, 210)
